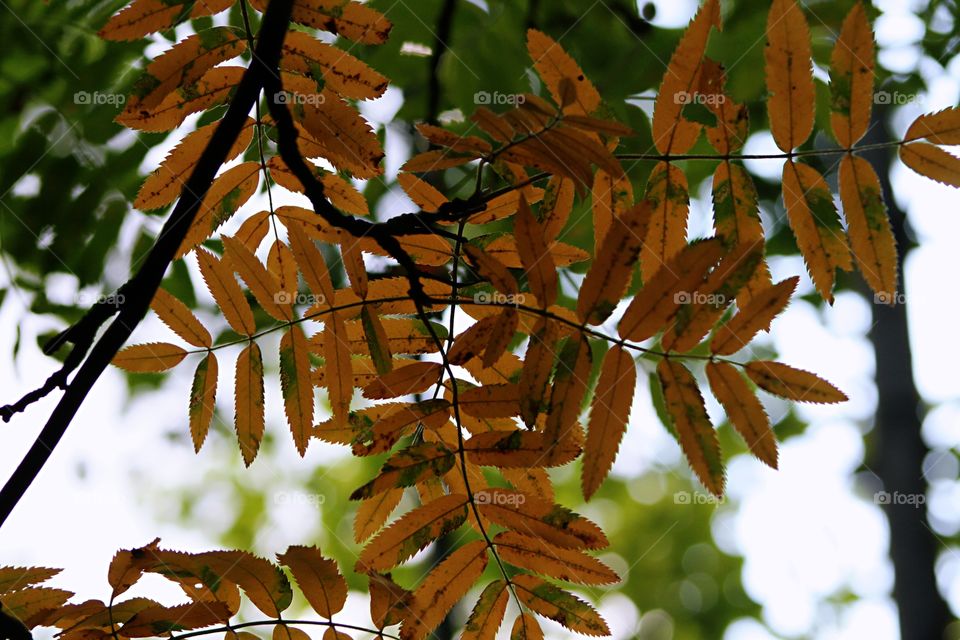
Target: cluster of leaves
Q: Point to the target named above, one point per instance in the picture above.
(478, 450)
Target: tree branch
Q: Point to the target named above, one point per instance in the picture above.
(138, 292)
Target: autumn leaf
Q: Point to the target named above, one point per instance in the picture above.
(789, 75)
(408, 467)
(738, 331)
(932, 162)
(226, 292)
(296, 387)
(180, 319)
(203, 397)
(556, 562)
(553, 64)
(152, 357)
(559, 605)
(248, 394)
(609, 414)
(744, 410)
(318, 578)
(851, 78)
(487, 614)
(793, 384)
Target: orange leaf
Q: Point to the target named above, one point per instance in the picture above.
(559, 605)
(506, 449)
(415, 377)
(408, 467)
(412, 532)
(739, 330)
(942, 127)
(569, 565)
(149, 357)
(851, 78)
(669, 199)
(789, 73)
(609, 414)
(180, 319)
(143, 17)
(793, 384)
(296, 386)
(226, 195)
(331, 66)
(526, 627)
(318, 578)
(373, 513)
(261, 282)
(487, 614)
(249, 415)
(689, 416)
(215, 87)
(533, 516)
(554, 65)
(671, 133)
(932, 162)
(226, 292)
(535, 256)
(744, 410)
(203, 398)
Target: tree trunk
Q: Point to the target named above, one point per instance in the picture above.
(898, 450)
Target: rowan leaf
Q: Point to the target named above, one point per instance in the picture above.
(415, 377)
(408, 467)
(519, 449)
(230, 191)
(791, 383)
(226, 293)
(388, 601)
(789, 75)
(609, 415)
(669, 198)
(203, 398)
(443, 587)
(739, 330)
(149, 357)
(688, 415)
(570, 381)
(143, 17)
(868, 226)
(337, 364)
(559, 605)
(215, 87)
(535, 517)
(744, 410)
(487, 614)
(164, 185)
(537, 366)
(535, 555)
(661, 295)
(262, 283)
(331, 66)
(296, 387)
(851, 78)
(353, 20)
(373, 513)
(412, 532)
(816, 225)
(318, 577)
(180, 319)
(423, 194)
(159, 620)
(932, 162)
(535, 255)
(672, 133)
(942, 127)
(553, 64)
(526, 627)
(16, 578)
(609, 275)
(248, 393)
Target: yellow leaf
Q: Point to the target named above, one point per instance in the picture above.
(203, 399)
(180, 319)
(261, 282)
(609, 414)
(504, 249)
(423, 194)
(487, 614)
(226, 195)
(537, 366)
(373, 513)
(661, 295)
(704, 306)
(249, 416)
(554, 65)
(387, 429)
(816, 225)
(733, 119)
(319, 579)
(213, 88)
(491, 401)
(532, 481)
(437, 160)
(337, 360)
(557, 206)
(163, 186)
(442, 589)
(532, 516)
(506, 449)
(526, 627)
(331, 66)
(669, 199)
(253, 230)
(739, 330)
(296, 386)
(737, 219)
(415, 377)
(610, 199)
(342, 194)
(412, 532)
(149, 357)
(793, 384)
(569, 565)
(282, 265)
(15, 578)
(226, 292)
(868, 226)
(744, 410)
(460, 143)
(559, 605)
(932, 162)
(671, 133)
(408, 467)
(143, 17)
(494, 124)
(535, 256)
(158, 620)
(491, 269)
(353, 20)
(574, 363)
(388, 601)
(789, 74)
(609, 275)
(851, 78)
(689, 416)
(942, 127)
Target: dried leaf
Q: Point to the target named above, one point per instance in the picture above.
(319, 579)
(609, 414)
(851, 78)
(744, 410)
(249, 412)
(789, 74)
(793, 384)
(149, 357)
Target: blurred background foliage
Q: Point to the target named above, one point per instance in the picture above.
(67, 172)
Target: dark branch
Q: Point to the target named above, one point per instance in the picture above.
(139, 291)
